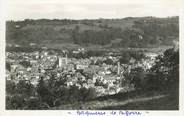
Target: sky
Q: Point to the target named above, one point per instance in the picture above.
(89, 9)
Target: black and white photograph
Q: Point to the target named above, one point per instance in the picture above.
(92, 55)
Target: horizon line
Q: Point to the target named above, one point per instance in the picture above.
(90, 18)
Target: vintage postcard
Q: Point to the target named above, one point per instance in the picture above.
(91, 57)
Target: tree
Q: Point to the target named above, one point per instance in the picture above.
(8, 66)
(75, 35)
(44, 93)
(10, 87)
(91, 94)
(25, 88)
(136, 77)
(25, 63)
(15, 102)
(109, 61)
(125, 58)
(138, 55)
(83, 93)
(167, 68)
(73, 94)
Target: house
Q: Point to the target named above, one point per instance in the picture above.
(81, 67)
(71, 81)
(63, 61)
(13, 67)
(112, 91)
(99, 90)
(90, 83)
(85, 85)
(151, 55)
(109, 79)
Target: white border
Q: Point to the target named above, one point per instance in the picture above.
(4, 112)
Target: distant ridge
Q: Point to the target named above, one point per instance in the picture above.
(135, 32)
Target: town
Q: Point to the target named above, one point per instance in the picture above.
(105, 74)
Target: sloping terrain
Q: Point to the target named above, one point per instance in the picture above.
(127, 32)
(128, 101)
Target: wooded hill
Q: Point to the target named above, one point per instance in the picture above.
(132, 32)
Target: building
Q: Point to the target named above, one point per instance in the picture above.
(63, 61)
(81, 67)
(118, 68)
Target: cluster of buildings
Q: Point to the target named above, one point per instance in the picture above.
(105, 78)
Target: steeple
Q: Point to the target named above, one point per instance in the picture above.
(118, 68)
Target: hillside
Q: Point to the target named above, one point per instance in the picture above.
(150, 100)
(144, 32)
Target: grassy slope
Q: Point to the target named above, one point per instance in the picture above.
(155, 103)
(151, 100)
